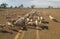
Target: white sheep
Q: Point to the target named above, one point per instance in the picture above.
(40, 22)
(19, 20)
(51, 17)
(38, 18)
(2, 25)
(29, 23)
(28, 19)
(36, 22)
(31, 20)
(41, 18)
(9, 24)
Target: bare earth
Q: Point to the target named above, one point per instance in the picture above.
(52, 33)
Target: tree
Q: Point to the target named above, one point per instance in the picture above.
(3, 5)
(21, 6)
(15, 6)
(50, 6)
(32, 6)
(11, 6)
(28, 7)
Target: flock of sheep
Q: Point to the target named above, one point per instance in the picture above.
(30, 19)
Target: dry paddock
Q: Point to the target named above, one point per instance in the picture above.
(54, 27)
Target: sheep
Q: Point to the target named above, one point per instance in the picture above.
(27, 15)
(44, 27)
(10, 24)
(38, 18)
(2, 25)
(52, 18)
(19, 16)
(20, 22)
(8, 17)
(36, 22)
(40, 22)
(45, 22)
(4, 29)
(31, 20)
(32, 14)
(41, 18)
(28, 19)
(29, 23)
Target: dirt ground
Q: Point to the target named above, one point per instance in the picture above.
(54, 27)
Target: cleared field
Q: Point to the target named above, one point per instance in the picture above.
(52, 33)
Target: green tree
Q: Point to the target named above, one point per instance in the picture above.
(3, 5)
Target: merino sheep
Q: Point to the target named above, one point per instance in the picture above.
(8, 17)
(44, 27)
(31, 20)
(10, 24)
(38, 18)
(28, 19)
(2, 25)
(52, 18)
(36, 22)
(41, 18)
